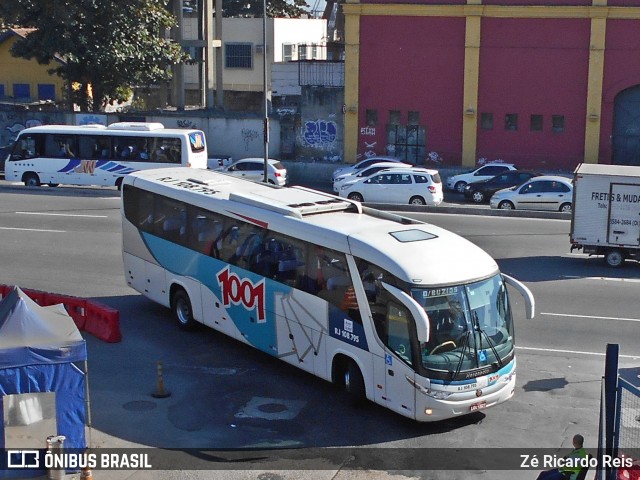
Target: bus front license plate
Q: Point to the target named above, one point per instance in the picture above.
(477, 406)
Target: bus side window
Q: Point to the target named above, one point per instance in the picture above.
(398, 336)
(207, 233)
(88, 147)
(335, 283)
(28, 146)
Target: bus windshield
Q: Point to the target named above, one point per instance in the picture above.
(470, 326)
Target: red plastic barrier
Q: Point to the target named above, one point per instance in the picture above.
(103, 322)
(91, 317)
(75, 307)
(37, 296)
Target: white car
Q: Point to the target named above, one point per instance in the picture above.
(367, 162)
(547, 192)
(253, 169)
(364, 172)
(416, 186)
(485, 172)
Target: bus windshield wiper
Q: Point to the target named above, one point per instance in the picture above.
(476, 326)
(465, 343)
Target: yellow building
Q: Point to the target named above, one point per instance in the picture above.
(23, 80)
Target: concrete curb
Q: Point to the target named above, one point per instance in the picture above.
(462, 210)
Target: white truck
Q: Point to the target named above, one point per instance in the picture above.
(606, 212)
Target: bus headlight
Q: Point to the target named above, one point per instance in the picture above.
(426, 390)
(438, 394)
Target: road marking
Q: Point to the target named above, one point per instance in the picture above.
(578, 352)
(33, 230)
(63, 214)
(607, 279)
(591, 316)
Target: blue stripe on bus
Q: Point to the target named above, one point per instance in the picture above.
(118, 168)
(262, 335)
(106, 165)
(70, 166)
(503, 371)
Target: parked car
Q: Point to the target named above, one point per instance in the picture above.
(218, 161)
(253, 169)
(481, 191)
(546, 192)
(367, 162)
(416, 186)
(365, 172)
(485, 172)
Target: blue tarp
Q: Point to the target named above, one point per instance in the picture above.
(40, 349)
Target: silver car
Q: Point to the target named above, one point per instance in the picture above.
(365, 172)
(253, 169)
(547, 192)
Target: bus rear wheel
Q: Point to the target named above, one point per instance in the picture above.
(354, 384)
(31, 179)
(181, 309)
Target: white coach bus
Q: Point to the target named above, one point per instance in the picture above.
(99, 155)
(404, 313)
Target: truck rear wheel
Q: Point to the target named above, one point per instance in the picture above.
(614, 258)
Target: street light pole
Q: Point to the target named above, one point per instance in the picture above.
(264, 82)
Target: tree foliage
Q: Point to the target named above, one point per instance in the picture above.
(107, 46)
(254, 8)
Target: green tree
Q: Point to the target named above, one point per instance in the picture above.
(108, 45)
(254, 8)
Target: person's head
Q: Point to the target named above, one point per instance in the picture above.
(578, 441)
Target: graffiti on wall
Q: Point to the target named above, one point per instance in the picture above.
(12, 125)
(187, 124)
(91, 119)
(248, 136)
(320, 133)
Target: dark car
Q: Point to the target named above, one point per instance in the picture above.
(481, 191)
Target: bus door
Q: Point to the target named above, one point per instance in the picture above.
(401, 315)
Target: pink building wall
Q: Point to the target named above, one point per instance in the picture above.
(621, 71)
(528, 66)
(412, 64)
(534, 67)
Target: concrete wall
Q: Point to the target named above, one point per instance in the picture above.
(235, 137)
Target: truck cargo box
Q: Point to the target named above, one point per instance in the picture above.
(606, 211)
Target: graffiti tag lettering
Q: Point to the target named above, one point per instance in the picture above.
(319, 133)
(248, 136)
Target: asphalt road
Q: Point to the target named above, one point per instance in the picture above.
(67, 240)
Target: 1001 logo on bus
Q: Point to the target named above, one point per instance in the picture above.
(237, 291)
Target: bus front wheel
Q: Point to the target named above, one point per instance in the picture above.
(354, 384)
(31, 179)
(181, 309)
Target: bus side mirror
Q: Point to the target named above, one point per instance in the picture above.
(420, 316)
(529, 301)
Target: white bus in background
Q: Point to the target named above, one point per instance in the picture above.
(404, 313)
(99, 155)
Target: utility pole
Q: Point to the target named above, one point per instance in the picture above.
(264, 81)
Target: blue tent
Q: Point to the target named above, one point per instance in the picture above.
(41, 350)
